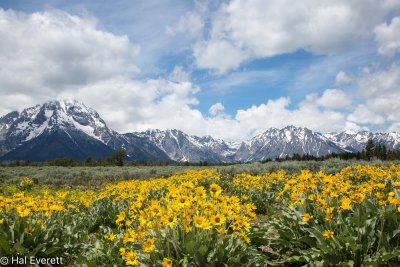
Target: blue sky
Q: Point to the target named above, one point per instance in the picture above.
(230, 69)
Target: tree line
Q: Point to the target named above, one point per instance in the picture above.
(116, 159)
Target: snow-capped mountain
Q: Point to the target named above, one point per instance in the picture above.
(285, 142)
(5, 124)
(183, 147)
(63, 115)
(61, 127)
(355, 141)
(70, 129)
(65, 129)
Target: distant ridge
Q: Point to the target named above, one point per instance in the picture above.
(68, 128)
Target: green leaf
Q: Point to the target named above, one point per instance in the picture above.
(51, 250)
(200, 260)
(4, 244)
(203, 250)
(190, 246)
(390, 255)
(308, 240)
(37, 249)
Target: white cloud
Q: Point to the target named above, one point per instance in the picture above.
(381, 82)
(138, 105)
(381, 91)
(395, 127)
(351, 126)
(216, 109)
(219, 55)
(342, 78)
(275, 113)
(388, 37)
(45, 53)
(191, 22)
(179, 74)
(335, 99)
(362, 114)
(243, 30)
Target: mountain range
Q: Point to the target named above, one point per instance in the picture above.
(68, 128)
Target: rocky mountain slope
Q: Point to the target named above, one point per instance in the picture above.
(71, 129)
(66, 129)
(287, 141)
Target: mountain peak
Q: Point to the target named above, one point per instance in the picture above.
(67, 115)
(291, 127)
(70, 125)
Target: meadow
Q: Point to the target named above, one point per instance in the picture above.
(333, 213)
(80, 176)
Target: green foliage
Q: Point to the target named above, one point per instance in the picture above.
(117, 159)
(367, 237)
(56, 236)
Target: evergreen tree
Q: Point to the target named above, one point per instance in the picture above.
(368, 152)
(117, 158)
(380, 152)
(88, 161)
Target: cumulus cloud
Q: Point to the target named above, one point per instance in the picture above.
(216, 109)
(388, 37)
(179, 74)
(395, 127)
(380, 83)
(343, 78)
(275, 113)
(48, 52)
(219, 55)
(334, 99)
(381, 93)
(134, 105)
(243, 30)
(362, 114)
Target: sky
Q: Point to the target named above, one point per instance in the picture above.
(230, 69)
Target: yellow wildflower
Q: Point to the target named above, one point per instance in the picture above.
(346, 203)
(29, 230)
(328, 234)
(120, 217)
(23, 211)
(148, 245)
(218, 219)
(307, 217)
(166, 262)
(131, 258)
(215, 189)
(110, 236)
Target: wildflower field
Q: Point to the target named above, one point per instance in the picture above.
(208, 218)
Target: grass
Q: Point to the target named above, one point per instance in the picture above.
(96, 176)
